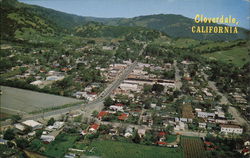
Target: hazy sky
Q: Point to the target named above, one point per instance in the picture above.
(239, 9)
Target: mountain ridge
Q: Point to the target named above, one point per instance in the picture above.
(175, 26)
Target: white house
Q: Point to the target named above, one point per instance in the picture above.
(129, 86)
(231, 129)
(19, 126)
(128, 132)
(247, 143)
(141, 132)
(116, 108)
(47, 138)
(206, 114)
(180, 126)
(202, 125)
(33, 124)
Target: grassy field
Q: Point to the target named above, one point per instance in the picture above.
(19, 100)
(60, 146)
(211, 44)
(171, 138)
(112, 149)
(238, 56)
(185, 43)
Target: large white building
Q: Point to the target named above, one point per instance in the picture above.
(206, 114)
(129, 87)
(33, 124)
(231, 129)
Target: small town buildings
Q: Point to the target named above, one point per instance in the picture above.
(247, 143)
(202, 125)
(19, 127)
(47, 138)
(3, 141)
(180, 126)
(205, 114)
(141, 132)
(160, 143)
(84, 132)
(102, 114)
(234, 129)
(116, 108)
(93, 128)
(128, 132)
(33, 124)
(129, 87)
(123, 116)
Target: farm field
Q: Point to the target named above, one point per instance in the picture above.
(193, 147)
(130, 150)
(14, 100)
(237, 56)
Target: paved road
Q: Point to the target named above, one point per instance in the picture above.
(212, 85)
(238, 118)
(178, 83)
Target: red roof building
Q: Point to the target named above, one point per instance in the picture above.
(161, 143)
(208, 143)
(94, 127)
(123, 116)
(162, 134)
(119, 104)
(102, 114)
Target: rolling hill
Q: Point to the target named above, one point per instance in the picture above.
(175, 26)
(20, 19)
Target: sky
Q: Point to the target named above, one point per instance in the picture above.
(239, 9)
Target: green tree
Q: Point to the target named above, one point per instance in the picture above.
(22, 143)
(39, 133)
(147, 89)
(137, 138)
(9, 134)
(51, 121)
(158, 88)
(108, 101)
(94, 113)
(15, 118)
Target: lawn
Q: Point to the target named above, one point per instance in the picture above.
(113, 149)
(171, 138)
(60, 146)
(237, 56)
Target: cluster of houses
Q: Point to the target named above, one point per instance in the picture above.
(51, 76)
(239, 98)
(113, 109)
(49, 132)
(88, 93)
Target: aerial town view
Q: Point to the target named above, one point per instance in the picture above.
(125, 79)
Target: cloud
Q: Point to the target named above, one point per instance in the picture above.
(247, 0)
(248, 17)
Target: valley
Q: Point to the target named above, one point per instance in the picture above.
(76, 86)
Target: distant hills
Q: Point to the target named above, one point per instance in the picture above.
(175, 26)
(19, 18)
